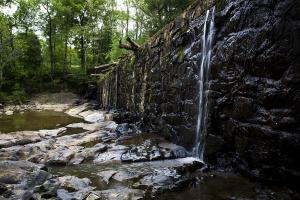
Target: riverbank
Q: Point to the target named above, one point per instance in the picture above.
(46, 101)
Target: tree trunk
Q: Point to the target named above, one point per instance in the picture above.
(12, 46)
(127, 18)
(82, 53)
(65, 56)
(137, 30)
(1, 76)
(1, 61)
(70, 55)
(51, 48)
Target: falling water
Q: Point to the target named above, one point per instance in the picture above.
(207, 39)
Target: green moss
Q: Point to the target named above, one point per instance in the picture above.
(132, 60)
(181, 53)
(220, 4)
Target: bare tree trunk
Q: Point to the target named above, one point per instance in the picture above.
(65, 56)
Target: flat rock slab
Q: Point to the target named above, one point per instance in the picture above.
(20, 164)
(20, 178)
(27, 137)
(85, 126)
(117, 194)
(109, 156)
(114, 153)
(74, 183)
(14, 172)
(60, 156)
(78, 109)
(155, 177)
(70, 149)
(111, 126)
(106, 175)
(79, 139)
(87, 154)
(92, 116)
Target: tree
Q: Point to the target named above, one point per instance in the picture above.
(66, 12)
(29, 52)
(7, 53)
(91, 22)
(160, 12)
(76, 35)
(26, 14)
(47, 15)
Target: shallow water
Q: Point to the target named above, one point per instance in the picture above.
(35, 120)
(229, 186)
(212, 187)
(89, 170)
(217, 187)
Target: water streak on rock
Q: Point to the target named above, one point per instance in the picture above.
(207, 39)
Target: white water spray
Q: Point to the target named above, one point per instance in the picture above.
(207, 39)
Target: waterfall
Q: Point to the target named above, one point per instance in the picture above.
(207, 39)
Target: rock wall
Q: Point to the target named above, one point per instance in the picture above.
(253, 120)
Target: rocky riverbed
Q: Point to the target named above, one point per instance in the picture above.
(105, 160)
(32, 161)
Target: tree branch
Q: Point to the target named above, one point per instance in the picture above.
(132, 46)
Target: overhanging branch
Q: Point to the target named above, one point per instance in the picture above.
(132, 46)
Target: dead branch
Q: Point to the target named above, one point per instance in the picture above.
(132, 46)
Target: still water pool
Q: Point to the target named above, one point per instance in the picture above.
(35, 120)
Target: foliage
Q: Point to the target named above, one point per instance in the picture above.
(160, 12)
(29, 52)
(50, 44)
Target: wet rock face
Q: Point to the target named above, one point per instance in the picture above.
(255, 108)
(253, 88)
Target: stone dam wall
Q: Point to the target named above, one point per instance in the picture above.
(253, 119)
